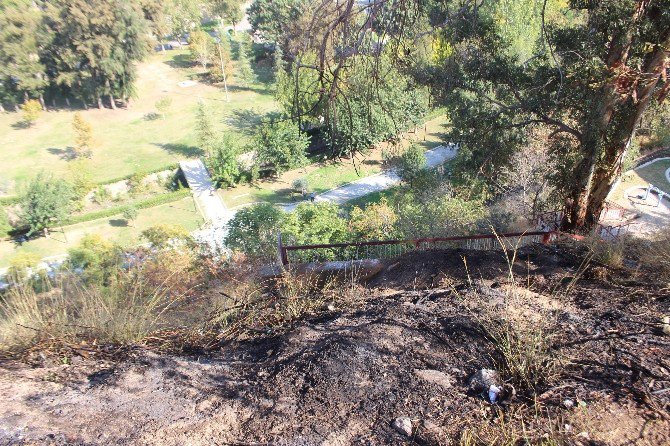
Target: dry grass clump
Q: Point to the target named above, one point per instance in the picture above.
(657, 256)
(124, 311)
(522, 332)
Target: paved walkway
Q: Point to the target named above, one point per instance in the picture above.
(210, 205)
(379, 182)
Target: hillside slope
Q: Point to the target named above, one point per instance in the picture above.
(407, 348)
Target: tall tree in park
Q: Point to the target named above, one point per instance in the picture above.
(204, 128)
(45, 202)
(222, 67)
(201, 47)
(228, 10)
(83, 135)
(95, 46)
(270, 18)
(245, 73)
(157, 14)
(280, 146)
(589, 82)
(222, 161)
(183, 16)
(22, 73)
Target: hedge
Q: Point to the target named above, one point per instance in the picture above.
(139, 204)
(13, 199)
(104, 213)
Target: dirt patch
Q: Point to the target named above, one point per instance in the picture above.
(344, 376)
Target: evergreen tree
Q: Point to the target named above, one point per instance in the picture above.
(245, 73)
(95, 47)
(222, 162)
(22, 73)
(83, 135)
(205, 131)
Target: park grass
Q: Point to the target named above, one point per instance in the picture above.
(653, 173)
(322, 177)
(114, 229)
(131, 140)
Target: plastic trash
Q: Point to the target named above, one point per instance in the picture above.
(494, 392)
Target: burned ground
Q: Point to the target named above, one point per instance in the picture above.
(405, 348)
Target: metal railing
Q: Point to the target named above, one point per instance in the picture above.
(383, 249)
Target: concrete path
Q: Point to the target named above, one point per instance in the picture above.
(209, 204)
(379, 182)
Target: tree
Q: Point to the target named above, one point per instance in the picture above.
(97, 259)
(314, 223)
(83, 135)
(183, 15)
(201, 47)
(254, 229)
(45, 202)
(95, 46)
(20, 267)
(22, 72)
(410, 163)
(205, 132)
(270, 17)
(373, 222)
(245, 74)
(162, 105)
(280, 146)
(130, 214)
(230, 10)
(31, 111)
(222, 162)
(589, 83)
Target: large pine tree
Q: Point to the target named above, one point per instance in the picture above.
(95, 46)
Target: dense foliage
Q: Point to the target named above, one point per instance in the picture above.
(45, 202)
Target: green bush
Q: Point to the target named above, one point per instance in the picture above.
(253, 230)
(96, 257)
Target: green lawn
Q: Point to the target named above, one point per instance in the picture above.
(653, 173)
(182, 212)
(129, 140)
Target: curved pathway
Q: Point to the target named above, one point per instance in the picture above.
(379, 182)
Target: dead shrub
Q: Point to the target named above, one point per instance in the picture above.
(657, 257)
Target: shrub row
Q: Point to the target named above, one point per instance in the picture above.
(104, 213)
(139, 204)
(13, 199)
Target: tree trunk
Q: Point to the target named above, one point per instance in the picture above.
(100, 106)
(44, 105)
(112, 101)
(17, 109)
(53, 103)
(611, 133)
(67, 101)
(2, 109)
(223, 72)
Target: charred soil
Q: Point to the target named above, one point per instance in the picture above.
(405, 348)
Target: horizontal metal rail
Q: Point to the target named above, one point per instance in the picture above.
(360, 249)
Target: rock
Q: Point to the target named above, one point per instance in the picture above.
(435, 377)
(403, 425)
(666, 325)
(568, 403)
(483, 379)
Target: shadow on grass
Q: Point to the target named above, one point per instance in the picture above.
(181, 149)
(66, 154)
(118, 223)
(245, 120)
(180, 61)
(21, 125)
